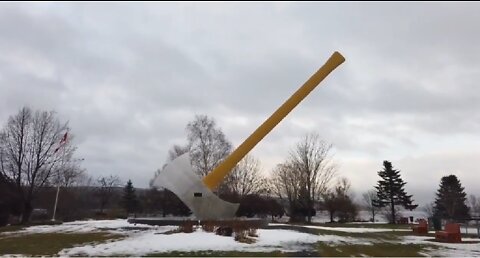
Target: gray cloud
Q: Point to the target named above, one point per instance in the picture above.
(128, 77)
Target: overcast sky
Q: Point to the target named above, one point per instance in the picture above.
(129, 76)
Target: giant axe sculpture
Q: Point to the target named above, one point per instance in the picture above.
(180, 178)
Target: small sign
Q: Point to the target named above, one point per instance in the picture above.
(197, 194)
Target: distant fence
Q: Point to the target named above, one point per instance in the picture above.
(467, 225)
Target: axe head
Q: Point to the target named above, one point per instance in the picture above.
(180, 178)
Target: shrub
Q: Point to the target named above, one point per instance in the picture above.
(186, 226)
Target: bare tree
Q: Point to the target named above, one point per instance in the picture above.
(369, 198)
(84, 180)
(246, 178)
(156, 173)
(305, 176)
(69, 171)
(67, 175)
(72, 175)
(330, 204)
(286, 184)
(429, 208)
(105, 191)
(474, 204)
(176, 151)
(333, 199)
(29, 154)
(9, 201)
(207, 144)
(311, 160)
(338, 202)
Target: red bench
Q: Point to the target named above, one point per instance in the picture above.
(421, 228)
(450, 235)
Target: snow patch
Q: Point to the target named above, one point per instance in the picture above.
(357, 230)
(119, 226)
(152, 242)
(464, 249)
(345, 229)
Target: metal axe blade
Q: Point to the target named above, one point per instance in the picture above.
(179, 177)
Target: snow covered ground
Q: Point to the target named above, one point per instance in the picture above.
(469, 248)
(119, 226)
(144, 239)
(469, 230)
(323, 216)
(346, 229)
(357, 230)
(152, 240)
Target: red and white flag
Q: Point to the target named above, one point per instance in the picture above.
(63, 141)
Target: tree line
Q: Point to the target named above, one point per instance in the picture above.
(295, 187)
(36, 157)
(451, 202)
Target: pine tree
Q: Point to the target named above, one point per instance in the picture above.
(451, 199)
(391, 192)
(129, 198)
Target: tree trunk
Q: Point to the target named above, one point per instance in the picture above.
(309, 210)
(394, 221)
(102, 206)
(331, 217)
(27, 212)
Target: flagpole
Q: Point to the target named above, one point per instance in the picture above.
(64, 141)
(56, 201)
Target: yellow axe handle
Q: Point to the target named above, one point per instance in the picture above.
(215, 177)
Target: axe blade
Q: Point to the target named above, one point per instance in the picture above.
(179, 177)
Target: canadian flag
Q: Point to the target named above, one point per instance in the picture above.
(62, 141)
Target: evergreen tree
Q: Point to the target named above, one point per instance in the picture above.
(451, 199)
(391, 192)
(129, 198)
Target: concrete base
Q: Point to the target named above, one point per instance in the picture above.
(236, 222)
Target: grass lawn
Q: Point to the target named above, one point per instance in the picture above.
(320, 250)
(48, 243)
(381, 244)
(222, 254)
(384, 244)
(388, 235)
(364, 225)
(10, 228)
(378, 249)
